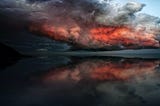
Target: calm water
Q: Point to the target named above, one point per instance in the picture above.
(64, 81)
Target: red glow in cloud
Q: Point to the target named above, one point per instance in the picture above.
(124, 36)
(98, 37)
(87, 23)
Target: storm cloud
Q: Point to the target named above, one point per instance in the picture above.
(87, 23)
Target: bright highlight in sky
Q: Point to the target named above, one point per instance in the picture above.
(152, 6)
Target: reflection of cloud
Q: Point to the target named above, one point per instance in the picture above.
(112, 82)
(135, 82)
(104, 70)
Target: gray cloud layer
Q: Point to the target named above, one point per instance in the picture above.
(82, 11)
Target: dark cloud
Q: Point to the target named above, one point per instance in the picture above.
(70, 17)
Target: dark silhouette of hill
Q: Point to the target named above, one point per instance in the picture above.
(8, 56)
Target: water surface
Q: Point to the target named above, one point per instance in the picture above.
(70, 81)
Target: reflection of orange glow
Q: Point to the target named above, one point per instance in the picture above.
(101, 70)
(123, 71)
(98, 37)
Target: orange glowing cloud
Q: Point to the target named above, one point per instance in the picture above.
(124, 36)
(90, 24)
(98, 37)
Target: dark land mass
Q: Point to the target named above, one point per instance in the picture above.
(8, 56)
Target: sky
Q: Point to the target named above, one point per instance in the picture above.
(152, 6)
(86, 24)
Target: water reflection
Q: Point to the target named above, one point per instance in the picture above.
(62, 81)
(104, 70)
